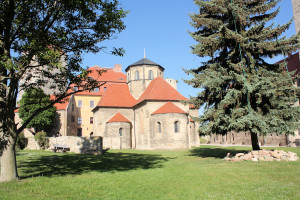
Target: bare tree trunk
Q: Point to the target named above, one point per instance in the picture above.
(254, 141)
(8, 161)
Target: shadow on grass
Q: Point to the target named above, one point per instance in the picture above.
(214, 152)
(75, 164)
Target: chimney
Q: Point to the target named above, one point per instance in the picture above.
(172, 82)
(118, 68)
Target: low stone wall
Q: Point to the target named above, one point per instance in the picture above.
(32, 144)
(76, 144)
(264, 155)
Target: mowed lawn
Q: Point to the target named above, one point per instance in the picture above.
(200, 173)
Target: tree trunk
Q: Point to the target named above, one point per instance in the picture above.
(8, 161)
(254, 141)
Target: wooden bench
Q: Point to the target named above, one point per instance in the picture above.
(60, 147)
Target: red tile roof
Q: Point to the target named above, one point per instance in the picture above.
(169, 108)
(117, 95)
(62, 105)
(293, 63)
(107, 75)
(191, 120)
(159, 89)
(118, 118)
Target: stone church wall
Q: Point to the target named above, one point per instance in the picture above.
(144, 130)
(102, 115)
(114, 140)
(167, 138)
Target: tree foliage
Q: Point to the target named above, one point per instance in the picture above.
(32, 100)
(41, 43)
(241, 91)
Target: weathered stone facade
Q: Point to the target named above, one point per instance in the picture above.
(118, 135)
(244, 138)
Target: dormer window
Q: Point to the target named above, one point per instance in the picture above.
(95, 90)
(75, 88)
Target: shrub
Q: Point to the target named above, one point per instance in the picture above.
(42, 140)
(21, 141)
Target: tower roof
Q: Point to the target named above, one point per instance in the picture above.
(159, 89)
(118, 118)
(117, 95)
(144, 61)
(169, 107)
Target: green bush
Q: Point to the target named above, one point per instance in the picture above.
(42, 140)
(21, 141)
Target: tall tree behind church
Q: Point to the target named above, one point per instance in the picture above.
(240, 91)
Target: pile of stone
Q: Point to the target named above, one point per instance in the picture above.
(264, 155)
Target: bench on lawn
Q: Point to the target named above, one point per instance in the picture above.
(60, 147)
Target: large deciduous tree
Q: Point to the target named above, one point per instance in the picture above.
(241, 91)
(41, 42)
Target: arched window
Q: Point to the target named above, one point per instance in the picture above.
(176, 127)
(120, 131)
(150, 75)
(159, 127)
(137, 75)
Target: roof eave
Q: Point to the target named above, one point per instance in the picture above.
(142, 65)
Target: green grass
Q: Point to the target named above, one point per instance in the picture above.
(199, 173)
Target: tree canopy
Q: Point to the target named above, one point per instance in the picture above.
(241, 91)
(32, 100)
(42, 42)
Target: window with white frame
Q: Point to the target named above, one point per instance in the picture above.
(79, 103)
(92, 103)
(79, 120)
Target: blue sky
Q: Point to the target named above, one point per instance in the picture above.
(161, 27)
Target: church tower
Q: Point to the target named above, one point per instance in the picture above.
(140, 74)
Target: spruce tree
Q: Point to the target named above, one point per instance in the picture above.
(241, 91)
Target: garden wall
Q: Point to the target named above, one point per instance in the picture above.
(76, 144)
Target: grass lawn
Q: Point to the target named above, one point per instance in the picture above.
(200, 173)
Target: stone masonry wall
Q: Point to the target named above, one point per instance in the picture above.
(76, 144)
(113, 139)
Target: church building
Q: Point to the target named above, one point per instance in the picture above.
(145, 112)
